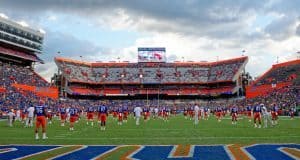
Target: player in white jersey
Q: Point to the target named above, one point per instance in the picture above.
(155, 113)
(137, 112)
(18, 115)
(11, 116)
(197, 113)
(266, 116)
(29, 120)
(202, 112)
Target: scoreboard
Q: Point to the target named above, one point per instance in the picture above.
(152, 55)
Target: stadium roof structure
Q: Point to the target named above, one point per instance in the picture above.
(19, 42)
(127, 63)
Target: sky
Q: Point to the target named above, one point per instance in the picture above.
(190, 30)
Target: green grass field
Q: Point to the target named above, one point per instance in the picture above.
(157, 132)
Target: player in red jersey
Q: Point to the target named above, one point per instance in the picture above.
(40, 113)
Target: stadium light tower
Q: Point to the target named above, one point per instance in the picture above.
(243, 52)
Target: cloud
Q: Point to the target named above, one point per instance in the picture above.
(203, 18)
(281, 28)
(298, 30)
(58, 44)
(196, 30)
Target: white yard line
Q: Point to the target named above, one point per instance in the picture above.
(159, 138)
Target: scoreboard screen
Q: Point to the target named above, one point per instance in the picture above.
(152, 55)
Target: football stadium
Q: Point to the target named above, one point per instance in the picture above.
(151, 107)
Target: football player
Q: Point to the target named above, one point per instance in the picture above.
(120, 115)
(63, 115)
(249, 112)
(102, 114)
(40, 113)
(274, 113)
(234, 112)
(90, 115)
(125, 113)
(73, 117)
(257, 115)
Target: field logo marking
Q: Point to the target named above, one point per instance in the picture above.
(130, 156)
(196, 152)
(88, 152)
(70, 152)
(23, 151)
(31, 155)
(182, 151)
(107, 153)
(270, 151)
(5, 150)
(151, 152)
(115, 150)
(292, 152)
(235, 151)
(127, 154)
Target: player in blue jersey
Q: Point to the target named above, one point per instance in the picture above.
(24, 114)
(292, 112)
(40, 113)
(73, 117)
(219, 113)
(257, 115)
(120, 115)
(102, 114)
(249, 112)
(274, 113)
(206, 113)
(90, 115)
(63, 115)
(125, 113)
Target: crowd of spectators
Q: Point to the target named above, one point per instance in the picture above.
(12, 73)
(12, 97)
(278, 74)
(157, 73)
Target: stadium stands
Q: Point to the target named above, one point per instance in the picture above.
(13, 73)
(178, 75)
(76, 71)
(279, 76)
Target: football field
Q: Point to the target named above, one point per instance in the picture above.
(157, 132)
(127, 138)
